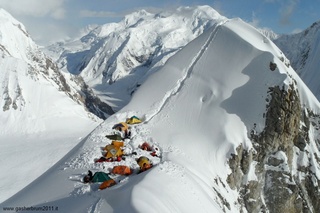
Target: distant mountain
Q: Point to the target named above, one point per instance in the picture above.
(21, 57)
(237, 128)
(269, 33)
(303, 50)
(114, 59)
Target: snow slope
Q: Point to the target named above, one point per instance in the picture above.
(114, 59)
(39, 122)
(197, 109)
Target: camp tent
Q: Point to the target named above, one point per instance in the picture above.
(115, 137)
(144, 163)
(121, 126)
(145, 146)
(107, 184)
(113, 151)
(121, 170)
(118, 143)
(133, 120)
(100, 177)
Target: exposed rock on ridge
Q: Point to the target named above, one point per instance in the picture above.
(285, 184)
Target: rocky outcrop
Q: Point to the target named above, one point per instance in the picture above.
(92, 103)
(79, 92)
(282, 157)
(82, 94)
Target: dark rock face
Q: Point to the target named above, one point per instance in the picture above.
(85, 96)
(92, 103)
(284, 182)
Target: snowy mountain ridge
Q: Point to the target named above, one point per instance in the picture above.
(6, 21)
(19, 46)
(237, 128)
(114, 59)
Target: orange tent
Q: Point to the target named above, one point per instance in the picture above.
(121, 170)
(107, 184)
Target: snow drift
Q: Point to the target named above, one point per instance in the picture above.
(198, 109)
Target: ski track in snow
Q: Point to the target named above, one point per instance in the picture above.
(188, 72)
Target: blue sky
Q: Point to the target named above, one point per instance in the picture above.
(57, 19)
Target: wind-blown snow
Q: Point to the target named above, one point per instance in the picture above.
(197, 109)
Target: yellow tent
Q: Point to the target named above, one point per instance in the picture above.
(143, 161)
(118, 143)
(113, 151)
(133, 120)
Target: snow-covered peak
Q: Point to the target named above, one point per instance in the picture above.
(6, 17)
(117, 57)
(135, 17)
(269, 33)
(203, 11)
(14, 38)
(30, 81)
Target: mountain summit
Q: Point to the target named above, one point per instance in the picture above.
(114, 59)
(237, 130)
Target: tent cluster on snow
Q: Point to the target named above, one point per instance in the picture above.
(114, 155)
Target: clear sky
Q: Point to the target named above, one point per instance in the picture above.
(52, 20)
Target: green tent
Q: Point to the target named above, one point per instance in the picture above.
(114, 137)
(133, 120)
(100, 177)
